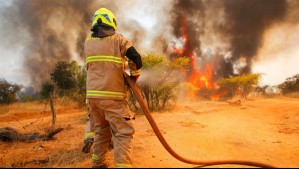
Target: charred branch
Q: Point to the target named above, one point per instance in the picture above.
(9, 134)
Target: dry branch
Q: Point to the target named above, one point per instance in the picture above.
(9, 134)
(235, 103)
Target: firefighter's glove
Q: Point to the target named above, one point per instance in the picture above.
(87, 145)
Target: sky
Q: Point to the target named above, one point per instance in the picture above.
(277, 59)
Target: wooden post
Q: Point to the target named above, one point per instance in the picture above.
(53, 112)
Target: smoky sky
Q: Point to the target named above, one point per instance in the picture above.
(247, 22)
(244, 23)
(186, 17)
(55, 30)
(48, 31)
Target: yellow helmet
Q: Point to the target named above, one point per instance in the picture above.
(104, 17)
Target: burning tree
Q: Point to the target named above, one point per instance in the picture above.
(201, 73)
(235, 36)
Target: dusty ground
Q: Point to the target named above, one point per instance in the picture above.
(261, 130)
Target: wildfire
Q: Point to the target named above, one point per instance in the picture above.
(199, 77)
(219, 95)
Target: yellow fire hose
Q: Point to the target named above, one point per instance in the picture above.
(161, 138)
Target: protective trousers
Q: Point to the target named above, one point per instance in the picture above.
(89, 136)
(112, 119)
(88, 132)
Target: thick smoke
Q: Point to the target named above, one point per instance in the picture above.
(52, 31)
(186, 21)
(48, 31)
(247, 21)
(239, 23)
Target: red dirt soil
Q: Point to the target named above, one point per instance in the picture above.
(261, 130)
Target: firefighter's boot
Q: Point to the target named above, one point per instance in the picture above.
(87, 145)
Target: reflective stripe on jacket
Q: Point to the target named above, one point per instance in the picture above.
(105, 61)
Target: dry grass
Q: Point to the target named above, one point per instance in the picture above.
(294, 95)
(63, 151)
(196, 124)
(36, 109)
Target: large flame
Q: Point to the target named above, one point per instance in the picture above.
(199, 77)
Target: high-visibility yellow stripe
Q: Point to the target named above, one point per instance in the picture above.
(89, 135)
(123, 165)
(105, 94)
(96, 38)
(135, 72)
(104, 59)
(97, 157)
(98, 95)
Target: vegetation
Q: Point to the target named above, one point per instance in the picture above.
(291, 85)
(47, 90)
(161, 80)
(64, 76)
(8, 92)
(69, 80)
(159, 83)
(239, 85)
(158, 87)
(262, 89)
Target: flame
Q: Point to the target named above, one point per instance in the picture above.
(198, 78)
(219, 95)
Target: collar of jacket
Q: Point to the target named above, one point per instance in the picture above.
(102, 31)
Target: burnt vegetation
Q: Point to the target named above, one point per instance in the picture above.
(9, 134)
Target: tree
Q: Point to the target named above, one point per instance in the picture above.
(291, 85)
(78, 93)
(161, 79)
(262, 89)
(70, 79)
(47, 90)
(64, 76)
(8, 92)
(240, 85)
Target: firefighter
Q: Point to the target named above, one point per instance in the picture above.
(110, 117)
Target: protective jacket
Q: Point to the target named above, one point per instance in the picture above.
(105, 59)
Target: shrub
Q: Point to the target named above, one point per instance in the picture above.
(161, 80)
(8, 92)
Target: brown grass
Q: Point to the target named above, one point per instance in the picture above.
(260, 129)
(294, 95)
(63, 151)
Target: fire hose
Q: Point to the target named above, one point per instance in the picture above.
(161, 138)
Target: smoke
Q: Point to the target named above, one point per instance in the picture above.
(186, 22)
(239, 24)
(52, 31)
(247, 22)
(137, 32)
(234, 30)
(48, 31)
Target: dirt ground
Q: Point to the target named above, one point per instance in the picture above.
(264, 130)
